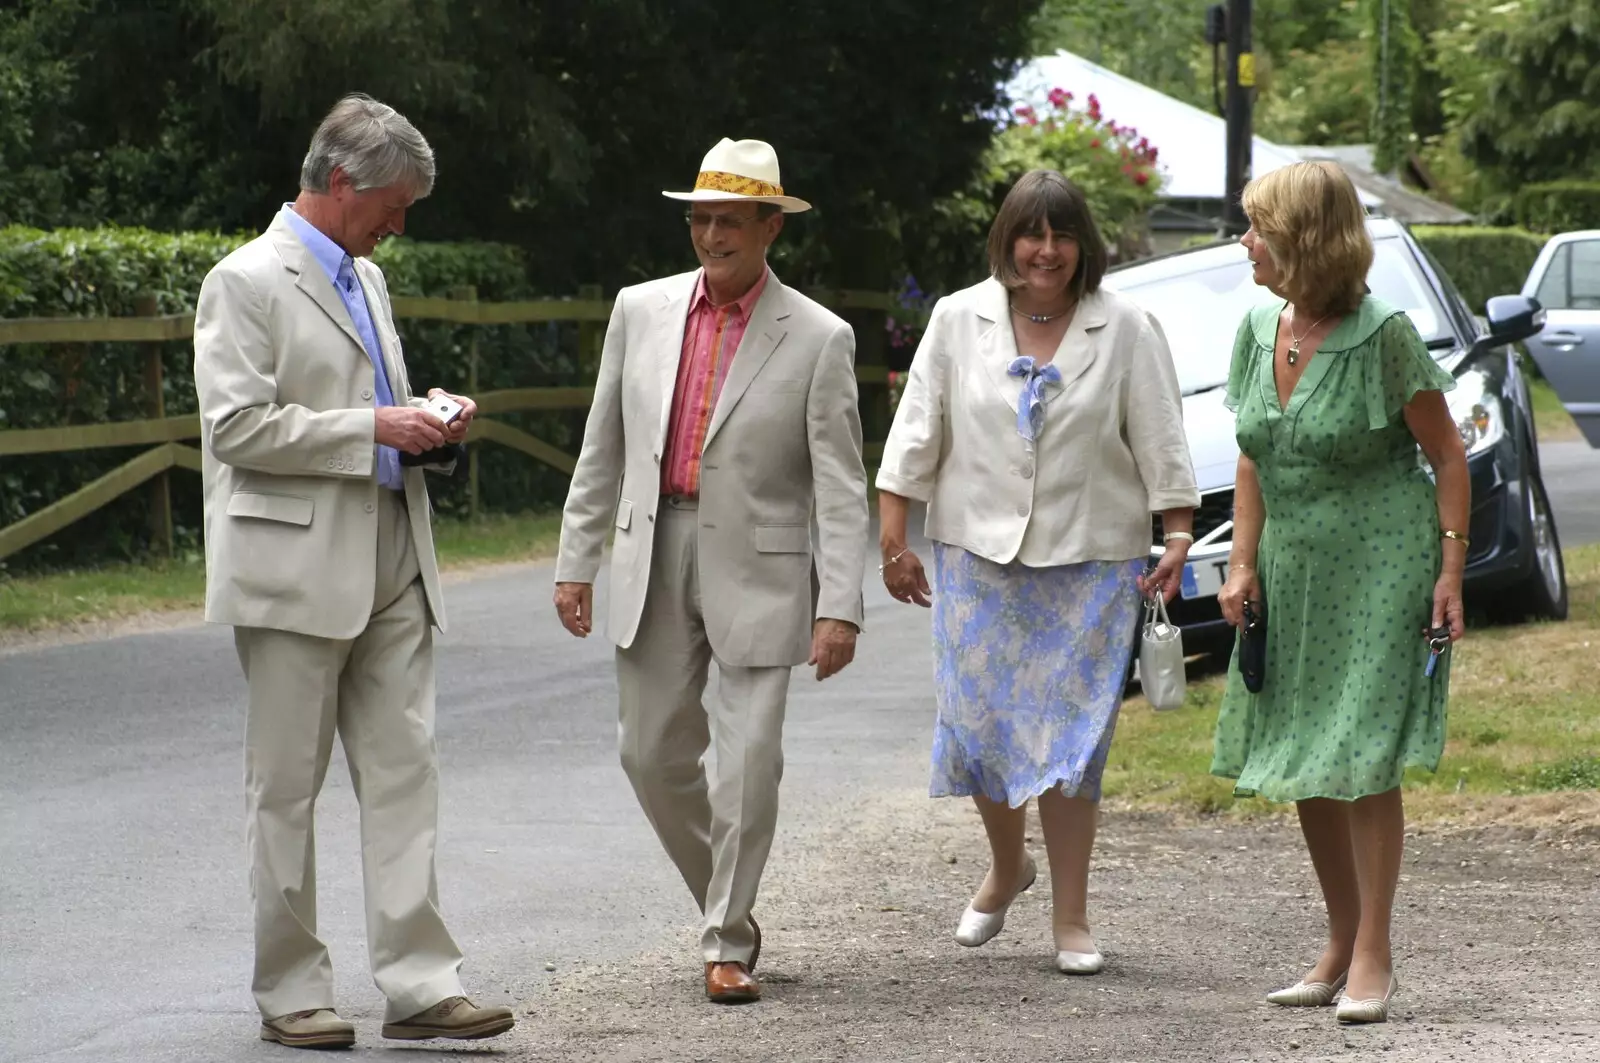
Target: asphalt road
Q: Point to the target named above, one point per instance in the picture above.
(124, 913)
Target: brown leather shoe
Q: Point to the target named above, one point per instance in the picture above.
(455, 1017)
(731, 983)
(317, 1028)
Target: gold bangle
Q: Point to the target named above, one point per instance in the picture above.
(1448, 534)
(1248, 568)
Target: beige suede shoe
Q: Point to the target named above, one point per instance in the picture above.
(455, 1017)
(320, 1028)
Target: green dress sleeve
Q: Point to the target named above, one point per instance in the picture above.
(1241, 370)
(1397, 366)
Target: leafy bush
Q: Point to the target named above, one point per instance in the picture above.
(1558, 206)
(1481, 261)
(102, 272)
(1578, 773)
(1112, 164)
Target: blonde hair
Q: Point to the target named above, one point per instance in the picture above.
(1315, 228)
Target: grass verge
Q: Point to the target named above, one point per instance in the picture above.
(1550, 419)
(1524, 721)
(116, 592)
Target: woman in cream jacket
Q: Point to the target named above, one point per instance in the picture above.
(1042, 425)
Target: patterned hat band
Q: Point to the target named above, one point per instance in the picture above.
(739, 185)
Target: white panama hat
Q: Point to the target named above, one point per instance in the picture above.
(740, 171)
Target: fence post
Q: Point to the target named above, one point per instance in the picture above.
(469, 293)
(591, 334)
(865, 265)
(160, 490)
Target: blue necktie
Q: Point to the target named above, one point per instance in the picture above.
(1030, 405)
(355, 299)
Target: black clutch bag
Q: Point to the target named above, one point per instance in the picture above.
(1253, 646)
(456, 452)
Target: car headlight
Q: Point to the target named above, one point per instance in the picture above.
(1478, 414)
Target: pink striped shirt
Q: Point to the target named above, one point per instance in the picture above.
(711, 337)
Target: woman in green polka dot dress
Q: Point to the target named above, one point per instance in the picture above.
(1356, 553)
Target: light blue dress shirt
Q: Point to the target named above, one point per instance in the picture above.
(341, 271)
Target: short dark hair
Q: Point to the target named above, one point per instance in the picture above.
(1039, 196)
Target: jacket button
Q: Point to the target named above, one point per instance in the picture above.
(365, 393)
(370, 507)
(657, 457)
(651, 518)
(331, 464)
(1026, 472)
(1022, 510)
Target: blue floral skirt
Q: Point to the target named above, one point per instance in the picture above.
(1029, 669)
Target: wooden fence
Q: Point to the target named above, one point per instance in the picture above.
(167, 437)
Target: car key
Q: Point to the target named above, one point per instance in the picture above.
(1438, 642)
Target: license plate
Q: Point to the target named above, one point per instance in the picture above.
(1203, 579)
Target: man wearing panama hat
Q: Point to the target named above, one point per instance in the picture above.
(723, 453)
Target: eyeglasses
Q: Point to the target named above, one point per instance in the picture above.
(697, 219)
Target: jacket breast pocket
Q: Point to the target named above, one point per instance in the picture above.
(782, 538)
(287, 509)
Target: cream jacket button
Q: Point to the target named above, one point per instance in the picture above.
(365, 393)
(1027, 472)
(370, 507)
(1022, 510)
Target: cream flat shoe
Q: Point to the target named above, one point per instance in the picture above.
(1308, 994)
(975, 927)
(1365, 1011)
(1080, 962)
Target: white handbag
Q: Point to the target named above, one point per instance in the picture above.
(1161, 672)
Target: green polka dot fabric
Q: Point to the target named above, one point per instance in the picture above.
(1348, 558)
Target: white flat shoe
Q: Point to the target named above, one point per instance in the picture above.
(1308, 994)
(1080, 962)
(975, 927)
(1365, 1011)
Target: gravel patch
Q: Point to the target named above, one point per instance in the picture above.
(1495, 950)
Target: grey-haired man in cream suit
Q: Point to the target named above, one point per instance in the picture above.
(724, 425)
(320, 554)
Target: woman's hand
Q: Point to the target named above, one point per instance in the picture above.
(1243, 585)
(1168, 573)
(905, 579)
(1447, 606)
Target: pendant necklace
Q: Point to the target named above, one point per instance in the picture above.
(1040, 319)
(1294, 346)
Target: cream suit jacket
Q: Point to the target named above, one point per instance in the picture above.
(1111, 452)
(782, 451)
(287, 428)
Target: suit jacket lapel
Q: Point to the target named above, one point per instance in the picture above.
(310, 279)
(761, 337)
(671, 317)
(997, 344)
(1078, 348)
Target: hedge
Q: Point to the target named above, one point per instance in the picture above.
(102, 272)
(1558, 206)
(1482, 262)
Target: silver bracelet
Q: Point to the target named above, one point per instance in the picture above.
(1169, 536)
(893, 559)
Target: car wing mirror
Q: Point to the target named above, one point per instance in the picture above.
(1513, 318)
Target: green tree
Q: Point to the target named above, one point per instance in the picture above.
(555, 125)
(1394, 47)
(1159, 43)
(1535, 113)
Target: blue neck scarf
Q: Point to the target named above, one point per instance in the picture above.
(1030, 406)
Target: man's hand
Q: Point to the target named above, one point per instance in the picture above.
(409, 429)
(575, 606)
(833, 645)
(457, 432)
